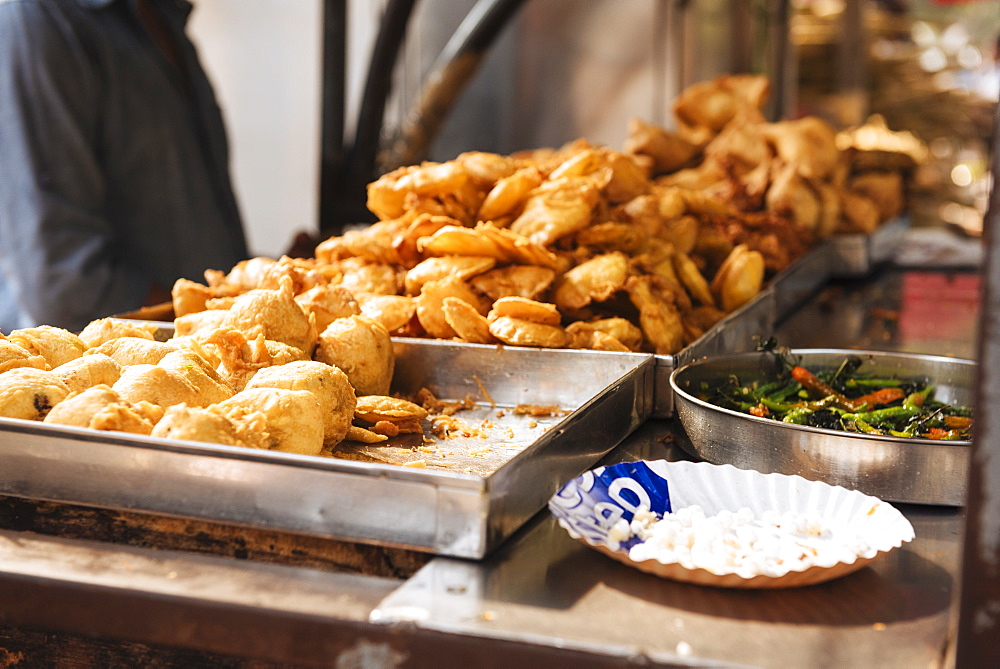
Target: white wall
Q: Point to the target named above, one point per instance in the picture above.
(264, 58)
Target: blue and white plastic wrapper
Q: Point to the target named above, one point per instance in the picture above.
(591, 504)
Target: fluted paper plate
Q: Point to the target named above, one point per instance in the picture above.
(589, 506)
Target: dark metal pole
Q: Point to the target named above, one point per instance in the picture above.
(782, 67)
(333, 111)
(347, 170)
(978, 642)
(454, 68)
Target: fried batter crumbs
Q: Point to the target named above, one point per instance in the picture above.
(538, 410)
(449, 427)
(428, 400)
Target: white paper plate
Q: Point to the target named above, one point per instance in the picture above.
(590, 505)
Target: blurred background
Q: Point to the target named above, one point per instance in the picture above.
(557, 70)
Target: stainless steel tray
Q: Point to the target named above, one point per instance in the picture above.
(857, 255)
(921, 471)
(477, 492)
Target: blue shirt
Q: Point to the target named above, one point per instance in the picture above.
(113, 162)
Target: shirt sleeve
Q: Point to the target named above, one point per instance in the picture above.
(57, 250)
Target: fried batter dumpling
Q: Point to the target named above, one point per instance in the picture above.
(156, 385)
(232, 428)
(12, 355)
(401, 415)
(629, 178)
(469, 325)
(667, 151)
(239, 358)
(525, 309)
(87, 371)
(659, 317)
(360, 434)
(859, 213)
(374, 243)
(328, 383)
(596, 279)
(361, 276)
(885, 189)
(198, 346)
(742, 145)
(612, 236)
(517, 249)
(282, 353)
(809, 143)
(105, 329)
(419, 226)
(582, 336)
(557, 208)
(704, 108)
(457, 240)
(791, 195)
(692, 279)
(620, 329)
(432, 296)
(514, 281)
(387, 194)
(189, 297)
(829, 218)
(437, 268)
(327, 303)
(245, 275)
(101, 408)
(392, 311)
(56, 345)
(508, 194)
(485, 168)
(196, 371)
(362, 348)
(739, 279)
(29, 393)
(519, 332)
(134, 350)
(275, 314)
(294, 418)
(199, 324)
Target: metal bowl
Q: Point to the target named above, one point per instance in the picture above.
(920, 471)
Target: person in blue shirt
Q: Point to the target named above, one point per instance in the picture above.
(114, 176)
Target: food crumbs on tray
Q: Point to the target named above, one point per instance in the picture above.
(538, 410)
(450, 427)
(500, 413)
(533, 424)
(872, 510)
(479, 452)
(483, 390)
(510, 433)
(427, 449)
(487, 424)
(417, 464)
(488, 616)
(879, 627)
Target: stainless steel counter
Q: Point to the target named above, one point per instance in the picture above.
(542, 597)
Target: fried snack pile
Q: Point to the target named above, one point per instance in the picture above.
(582, 246)
(250, 370)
